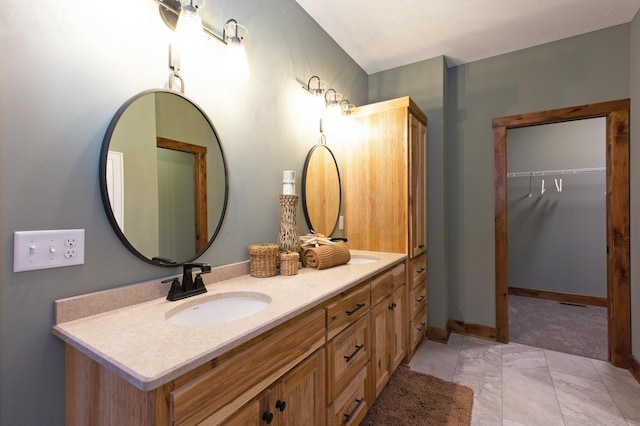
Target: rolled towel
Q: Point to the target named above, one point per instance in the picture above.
(326, 256)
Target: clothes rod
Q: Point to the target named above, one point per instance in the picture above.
(589, 171)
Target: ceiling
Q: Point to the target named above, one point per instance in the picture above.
(383, 34)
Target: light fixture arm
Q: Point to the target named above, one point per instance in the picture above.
(314, 90)
(330, 101)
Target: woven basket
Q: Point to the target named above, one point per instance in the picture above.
(263, 260)
(289, 263)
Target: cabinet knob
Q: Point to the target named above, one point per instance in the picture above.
(267, 417)
(281, 405)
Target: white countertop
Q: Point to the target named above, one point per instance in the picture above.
(141, 346)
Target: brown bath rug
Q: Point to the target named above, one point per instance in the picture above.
(412, 398)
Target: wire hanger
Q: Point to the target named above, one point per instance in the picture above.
(558, 187)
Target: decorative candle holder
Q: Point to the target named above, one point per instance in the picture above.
(288, 239)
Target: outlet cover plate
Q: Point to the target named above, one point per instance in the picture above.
(47, 249)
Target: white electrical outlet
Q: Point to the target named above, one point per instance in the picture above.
(47, 249)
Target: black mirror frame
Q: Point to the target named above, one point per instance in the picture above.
(102, 171)
(304, 187)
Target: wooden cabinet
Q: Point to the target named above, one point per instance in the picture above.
(325, 366)
(385, 179)
(417, 301)
(350, 406)
(298, 398)
(348, 354)
(385, 192)
(388, 327)
(218, 393)
(418, 186)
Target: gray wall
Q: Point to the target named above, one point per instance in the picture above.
(557, 240)
(634, 83)
(71, 69)
(72, 66)
(426, 83)
(580, 70)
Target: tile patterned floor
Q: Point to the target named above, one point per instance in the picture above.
(518, 385)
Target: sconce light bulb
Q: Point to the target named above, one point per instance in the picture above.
(189, 33)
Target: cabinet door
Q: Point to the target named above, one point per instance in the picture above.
(397, 329)
(418, 188)
(380, 352)
(376, 181)
(300, 395)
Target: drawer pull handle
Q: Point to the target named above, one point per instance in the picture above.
(348, 417)
(421, 246)
(420, 270)
(358, 306)
(421, 299)
(348, 357)
(267, 417)
(281, 405)
(392, 306)
(422, 324)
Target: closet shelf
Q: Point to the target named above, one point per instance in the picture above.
(564, 172)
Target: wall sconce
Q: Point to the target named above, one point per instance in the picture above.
(317, 88)
(347, 107)
(332, 99)
(236, 56)
(184, 17)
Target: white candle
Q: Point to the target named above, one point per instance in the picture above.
(288, 182)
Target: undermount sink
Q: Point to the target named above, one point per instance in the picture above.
(359, 258)
(219, 308)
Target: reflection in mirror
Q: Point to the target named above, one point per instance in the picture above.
(163, 178)
(321, 190)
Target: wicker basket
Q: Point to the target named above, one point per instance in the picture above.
(263, 260)
(289, 263)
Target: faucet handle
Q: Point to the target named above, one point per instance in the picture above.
(175, 289)
(198, 283)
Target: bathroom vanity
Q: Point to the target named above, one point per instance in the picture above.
(319, 352)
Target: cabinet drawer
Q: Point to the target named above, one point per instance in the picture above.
(347, 353)
(417, 298)
(349, 307)
(418, 269)
(350, 407)
(386, 283)
(417, 329)
(219, 390)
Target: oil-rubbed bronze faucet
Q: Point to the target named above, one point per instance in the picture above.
(189, 286)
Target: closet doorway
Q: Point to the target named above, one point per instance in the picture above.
(616, 114)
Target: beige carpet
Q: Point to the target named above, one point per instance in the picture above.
(412, 398)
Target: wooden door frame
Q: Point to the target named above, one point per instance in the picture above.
(618, 246)
(199, 185)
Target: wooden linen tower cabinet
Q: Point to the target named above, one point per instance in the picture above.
(385, 202)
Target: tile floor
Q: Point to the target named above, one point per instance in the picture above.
(515, 384)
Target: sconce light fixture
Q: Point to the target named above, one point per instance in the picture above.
(236, 56)
(347, 107)
(184, 17)
(332, 99)
(317, 88)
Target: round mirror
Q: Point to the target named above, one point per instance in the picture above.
(163, 178)
(321, 190)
